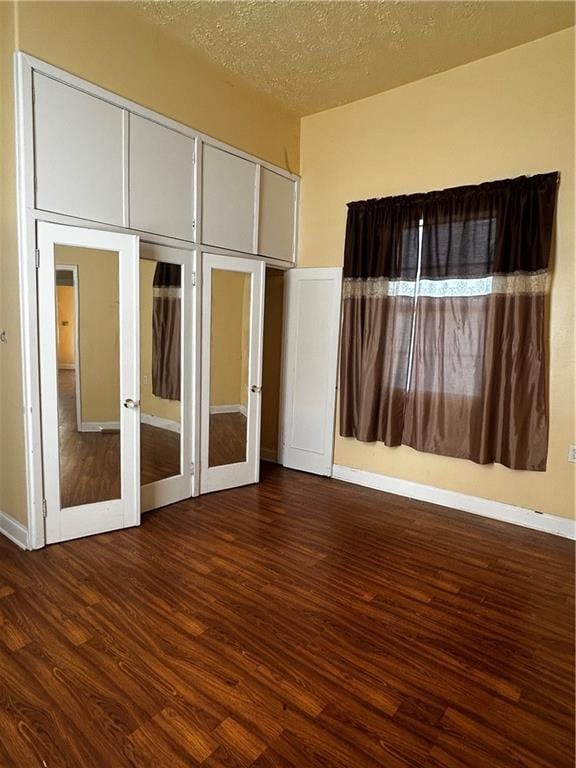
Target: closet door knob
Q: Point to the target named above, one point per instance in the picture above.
(129, 403)
(256, 389)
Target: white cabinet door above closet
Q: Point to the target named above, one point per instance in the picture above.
(78, 142)
(161, 179)
(277, 215)
(228, 200)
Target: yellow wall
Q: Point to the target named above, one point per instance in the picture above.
(12, 465)
(503, 116)
(151, 404)
(110, 45)
(65, 337)
(272, 362)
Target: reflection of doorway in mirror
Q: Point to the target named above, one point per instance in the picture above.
(67, 335)
(66, 311)
(89, 387)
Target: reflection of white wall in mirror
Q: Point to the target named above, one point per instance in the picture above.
(65, 336)
(150, 404)
(230, 323)
(98, 331)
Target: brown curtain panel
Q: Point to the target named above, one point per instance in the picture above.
(443, 344)
(166, 321)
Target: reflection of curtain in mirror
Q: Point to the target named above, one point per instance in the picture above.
(166, 316)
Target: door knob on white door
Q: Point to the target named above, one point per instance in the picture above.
(129, 403)
(256, 389)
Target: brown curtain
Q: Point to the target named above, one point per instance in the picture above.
(166, 320)
(380, 269)
(443, 336)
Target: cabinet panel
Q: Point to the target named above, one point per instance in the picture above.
(276, 225)
(228, 200)
(161, 179)
(78, 153)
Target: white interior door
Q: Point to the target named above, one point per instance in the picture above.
(167, 346)
(312, 322)
(90, 426)
(232, 322)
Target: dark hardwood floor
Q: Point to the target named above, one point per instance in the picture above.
(301, 622)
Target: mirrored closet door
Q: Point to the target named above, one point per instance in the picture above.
(89, 379)
(166, 355)
(232, 319)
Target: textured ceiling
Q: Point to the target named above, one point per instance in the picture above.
(310, 55)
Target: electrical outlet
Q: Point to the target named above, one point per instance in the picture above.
(572, 454)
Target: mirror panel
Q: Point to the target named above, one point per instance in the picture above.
(160, 370)
(88, 355)
(229, 358)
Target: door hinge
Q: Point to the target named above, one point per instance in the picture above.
(192, 469)
(37, 255)
(193, 278)
(44, 508)
(193, 223)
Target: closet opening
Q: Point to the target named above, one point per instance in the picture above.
(270, 449)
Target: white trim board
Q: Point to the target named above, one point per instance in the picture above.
(497, 510)
(14, 530)
(160, 422)
(233, 408)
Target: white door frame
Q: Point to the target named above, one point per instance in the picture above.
(179, 487)
(86, 519)
(246, 472)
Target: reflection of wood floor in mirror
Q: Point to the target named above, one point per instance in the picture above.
(227, 439)
(90, 461)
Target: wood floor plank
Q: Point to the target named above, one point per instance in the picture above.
(299, 623)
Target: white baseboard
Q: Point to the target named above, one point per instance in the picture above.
(233, 408)
(495, 509)
(98, 426)
(267, 454)
(161, 423)
(14, 530)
